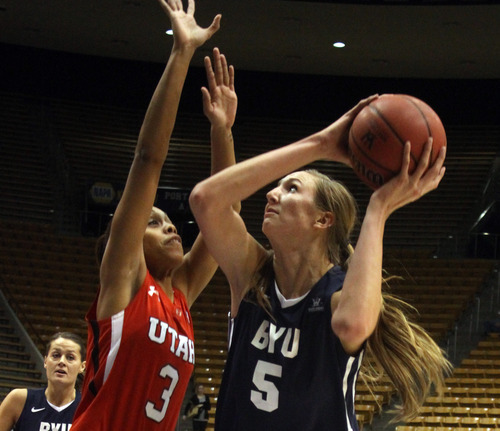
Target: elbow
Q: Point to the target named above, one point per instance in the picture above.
(146, 156)
(199, 200)
(352, 333)
(210, 204)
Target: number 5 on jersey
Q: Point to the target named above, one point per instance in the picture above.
(268, 397)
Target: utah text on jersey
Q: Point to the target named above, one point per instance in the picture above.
(180, 345)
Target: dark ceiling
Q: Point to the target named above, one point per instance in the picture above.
(412, 39)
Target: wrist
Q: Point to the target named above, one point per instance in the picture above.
(221, 127)
(333, 145)
(221, 132)
(378, 207)
(184, 50)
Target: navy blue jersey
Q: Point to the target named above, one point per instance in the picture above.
(39, 415)
(290, 372)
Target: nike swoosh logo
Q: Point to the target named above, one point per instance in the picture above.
(33, 410)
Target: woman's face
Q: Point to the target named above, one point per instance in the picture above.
(162, 244)
(63, 362)
(291, 208)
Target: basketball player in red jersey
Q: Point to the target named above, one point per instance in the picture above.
(140, 344)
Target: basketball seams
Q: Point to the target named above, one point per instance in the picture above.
(360, 150)
(424, 116)
(391, 128)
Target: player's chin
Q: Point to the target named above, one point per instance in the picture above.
(173, 248)
(60, 377)
(268, 226)
(175, 255)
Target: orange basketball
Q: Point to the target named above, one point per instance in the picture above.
(380, 130)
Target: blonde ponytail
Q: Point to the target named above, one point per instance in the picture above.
(408, 355)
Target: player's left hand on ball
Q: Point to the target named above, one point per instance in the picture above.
(405, 187)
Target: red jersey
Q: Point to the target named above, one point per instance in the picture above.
(139, 363)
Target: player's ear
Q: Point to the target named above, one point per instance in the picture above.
(325, 219)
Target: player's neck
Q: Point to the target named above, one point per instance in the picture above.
(60, 397)
(166, 285)
(296, 279)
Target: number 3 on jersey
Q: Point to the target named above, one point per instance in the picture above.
(268, 397)
(151, 411)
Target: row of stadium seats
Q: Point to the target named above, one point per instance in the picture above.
(97, 143)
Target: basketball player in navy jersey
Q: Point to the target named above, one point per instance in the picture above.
(53, 407)
(301, 313)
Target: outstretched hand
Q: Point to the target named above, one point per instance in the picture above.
(219, 100)
(186, 31)
(405, 188)
(335, 137)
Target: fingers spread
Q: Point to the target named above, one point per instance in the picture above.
(210, 73)
(214, 26)
(190, 8)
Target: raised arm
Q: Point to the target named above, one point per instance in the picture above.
(212, 200)
(123, 267)
(356, 308)
(219, 105)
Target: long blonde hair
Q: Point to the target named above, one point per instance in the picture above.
(410, 357)
(400, 348)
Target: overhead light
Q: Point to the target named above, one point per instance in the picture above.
(339, 44)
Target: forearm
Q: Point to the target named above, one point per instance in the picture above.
(159, 120)
(360, 301)
(222, 148)
(240, 181)
(223, 152)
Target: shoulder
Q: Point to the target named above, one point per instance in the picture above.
(335, 278)
(331, 283)
(18, 395)
(104, 306)
(335, 281)
(13, 404)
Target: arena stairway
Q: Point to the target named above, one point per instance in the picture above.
(19, 367)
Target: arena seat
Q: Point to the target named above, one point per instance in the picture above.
(98, 143)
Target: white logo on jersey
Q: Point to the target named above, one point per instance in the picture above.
(153, 291)
(180, 345)
(35, 410)
(46, 426)
(268, 334)
(317, 305)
